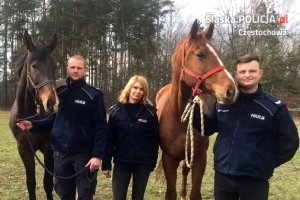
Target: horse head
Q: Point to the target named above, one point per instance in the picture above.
(40, 70)
(201, 67)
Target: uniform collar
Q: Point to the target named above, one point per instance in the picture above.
(75, 84)
(251, 95)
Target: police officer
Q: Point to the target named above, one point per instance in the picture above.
(255, 135)
(132, 141)
(79, 131)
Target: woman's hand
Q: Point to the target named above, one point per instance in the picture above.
(107, 173)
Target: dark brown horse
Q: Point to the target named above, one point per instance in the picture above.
(196, 66)
(36, 91)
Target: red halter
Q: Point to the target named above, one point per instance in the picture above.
(200, 78)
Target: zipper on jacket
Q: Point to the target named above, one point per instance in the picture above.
(234, 135)
(138, 113)
(131, 126)
(131, 150)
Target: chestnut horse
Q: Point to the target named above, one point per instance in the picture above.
(196, 66)
(36, 72)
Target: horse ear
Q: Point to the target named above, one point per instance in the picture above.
(27, 41)
(194, 30)
(52, 43)
(208, 32)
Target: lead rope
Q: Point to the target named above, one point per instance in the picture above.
(188, 114)
(53, 174)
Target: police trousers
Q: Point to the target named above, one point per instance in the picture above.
(66, 165)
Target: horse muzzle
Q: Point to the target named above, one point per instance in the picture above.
(49, 98)
(229, 97)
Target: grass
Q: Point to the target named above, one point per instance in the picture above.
(284, 185)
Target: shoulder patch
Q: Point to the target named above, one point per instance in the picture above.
(91, 91)
(114, 108)
(269, 102)
(274, 99)
(151, 109)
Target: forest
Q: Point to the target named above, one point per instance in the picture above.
(120, 38)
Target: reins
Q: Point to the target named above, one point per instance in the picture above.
(85, 169)
(53, 174)
(36, 89)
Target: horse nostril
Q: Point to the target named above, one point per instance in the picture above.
(230, 94)
(50, 106)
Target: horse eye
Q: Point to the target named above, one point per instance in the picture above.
(34, 66)
(201, 55)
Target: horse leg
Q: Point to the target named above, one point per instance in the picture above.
(170, 166)
(28, 161)
(48, 179)
(185, 172)
(197, 176)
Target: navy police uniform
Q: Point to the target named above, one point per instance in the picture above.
(133, 143)
(79, 131)
(255, 135)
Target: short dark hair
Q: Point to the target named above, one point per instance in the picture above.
(247, 58)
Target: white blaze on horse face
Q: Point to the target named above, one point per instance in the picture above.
(212, 50)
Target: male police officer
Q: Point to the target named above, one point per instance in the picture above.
(255, 135)
(79, 131)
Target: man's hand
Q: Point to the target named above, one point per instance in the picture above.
(94, 164)
(24, 125)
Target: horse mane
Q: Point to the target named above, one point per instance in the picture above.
(177, 51)
(19, 58)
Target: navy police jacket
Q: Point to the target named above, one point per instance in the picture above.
(80, 122)
(132, 142)
(255, 135)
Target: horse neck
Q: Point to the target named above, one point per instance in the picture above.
(24, 99)
(180, 92)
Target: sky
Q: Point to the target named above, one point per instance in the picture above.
(192, 9)
(195, 8)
